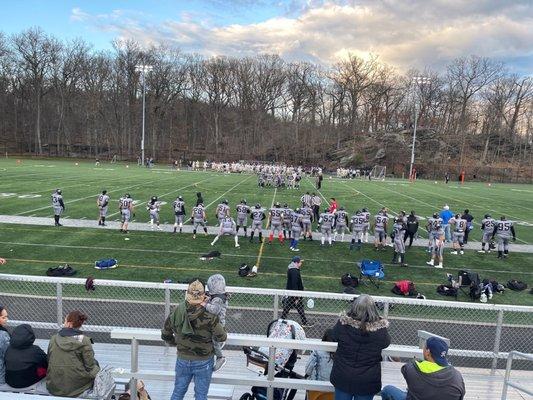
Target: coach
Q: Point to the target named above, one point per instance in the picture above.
(294, 282)
(446, 215)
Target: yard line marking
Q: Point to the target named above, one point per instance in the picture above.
(319, 192)
(262, 247)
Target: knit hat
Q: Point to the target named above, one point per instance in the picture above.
(195, 293)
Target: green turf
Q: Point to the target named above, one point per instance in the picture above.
(155, 256)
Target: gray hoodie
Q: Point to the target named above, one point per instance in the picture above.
(319, 365)
(446, 384)
(218, 303)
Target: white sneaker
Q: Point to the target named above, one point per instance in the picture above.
(212, 243)
(237, 245)
(295, 249)
(453, 252)
(430, 263)
(438, 266)
(159, 228)
(490, 296)
(461, 252)
(481, 251)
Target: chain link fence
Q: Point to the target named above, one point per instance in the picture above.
(479, 333)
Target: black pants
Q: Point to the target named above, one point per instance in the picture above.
(465, 239)
(411, 236)
(294, 302)
(316, 212)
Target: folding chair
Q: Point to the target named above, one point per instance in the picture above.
(468, 280)
(372, 270)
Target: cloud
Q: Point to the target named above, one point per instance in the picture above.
(406, 34)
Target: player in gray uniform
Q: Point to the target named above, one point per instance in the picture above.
(307, 219)
(227, 227)
(398, 233)
(458, 234)
(357, 226)
(366, 227)
(327, 222)
(222, 210)
(276, 218)
(258, 215)
(179, 213)
(296, 227)
(198, 218)
(503, 230)
(287, 221)
(125, 206)
(153, 207)
(102, 202)
(436, 240)
(341, 223)
(380, 230)
(242, 216)
(487, 226)
(58, 205)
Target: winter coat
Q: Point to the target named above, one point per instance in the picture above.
(218, 302)
(357, 362)
(4, 344)
(71, 364)
(319, 365)
(25, 363)
(192, 330)
(428, 381)
(294, 278)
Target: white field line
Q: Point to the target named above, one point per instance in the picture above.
(262, 247)
(318, 191)
(91, 182)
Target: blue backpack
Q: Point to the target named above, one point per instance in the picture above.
(106, 264)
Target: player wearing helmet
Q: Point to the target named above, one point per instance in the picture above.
(222, 211)
(153, 207)
(198, 219)
(125, 206)
(242, 216)
(102, 202)
(276, 218)
(258, 215)
(436, 240)
(487, 226)
(179, 213)
(58, 205)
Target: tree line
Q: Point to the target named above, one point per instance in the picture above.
(66, 98)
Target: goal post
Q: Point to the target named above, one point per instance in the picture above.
(378, 172)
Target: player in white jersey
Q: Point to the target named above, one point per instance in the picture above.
(436, 241)
(222, 210)
(458, 226)
(258, 215)
(307, 219)
(275, 221)
(397, 235)
(326, 222)
(102, 202)
(153, 207)
(125, 206)
(380, 230)
(366, 227)
(227, 227)
(296, 228)
(487, 226)
(287, 221)
(341, 223)
(198, 219)
(242, 216)
(179, 213)
(357, 226)
(58, 205)
(503, 230)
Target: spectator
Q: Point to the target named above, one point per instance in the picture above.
(191, 328)
(361, 335)
(446, 215)
(431, 379)
(294, 282)
(217, 304)
(412, 228)
(26, 363)
(320, 362)
(71, 363)
(469, 224)
(199, 198)
(4, 343)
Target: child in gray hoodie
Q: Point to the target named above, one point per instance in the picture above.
(217, 304)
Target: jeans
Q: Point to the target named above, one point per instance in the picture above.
(340, 395)
(447, 232)
(186, 370)
(393, 393)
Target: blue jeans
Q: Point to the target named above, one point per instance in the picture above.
(393, 393)
(186, 370)
(340, 395)
(447, 232)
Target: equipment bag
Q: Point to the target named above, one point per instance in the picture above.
(244, 270)
(404, 288)
(348, 280)
(106, 263)
(517, 285)
(447, 290)
(62, 270)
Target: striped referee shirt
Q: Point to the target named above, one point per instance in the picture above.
(316, 200)
(306, 199)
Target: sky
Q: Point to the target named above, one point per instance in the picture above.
(403, 33)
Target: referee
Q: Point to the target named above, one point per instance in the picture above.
(316, 202)
(306, 200)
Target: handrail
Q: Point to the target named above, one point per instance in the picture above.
(507, 382)
(270, 292)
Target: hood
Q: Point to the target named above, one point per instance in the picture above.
(216, 284)
(293, 265)
(194, 312)
(22, 337)
(69, 339)
(440, 378)
(371, 327)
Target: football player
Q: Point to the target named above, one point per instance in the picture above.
(434, 226)
(198, 218)
(398, 233)
(487, 226)
(125, 206)
(458, 234)
(58, 205)
(242, 216)
(275, 220)
(179, 213)
(227, 227)
(366, 227)
(380, 230)
(258, 215)
(296, 227)
(436, 240)
(102, 202)
(341, 223)
(307, 219)
(357, 227)
(326, 221)
(222, 210)
(287, 221)
(153, 207)
(503, 230)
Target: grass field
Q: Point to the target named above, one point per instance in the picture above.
(25, 190)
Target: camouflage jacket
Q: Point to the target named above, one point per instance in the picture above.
(192, 330)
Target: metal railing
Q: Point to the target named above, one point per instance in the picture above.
(486, 332)
(507, 380)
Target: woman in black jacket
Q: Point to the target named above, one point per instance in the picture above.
(361, 335)
(26, 363)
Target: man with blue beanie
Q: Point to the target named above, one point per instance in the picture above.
(446, 215)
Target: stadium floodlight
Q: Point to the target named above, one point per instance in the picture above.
(143, 69)
(418, 82)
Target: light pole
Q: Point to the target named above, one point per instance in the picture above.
(418, 81)
(143, 69)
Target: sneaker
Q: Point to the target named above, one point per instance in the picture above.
(438, 266)
(430, 262)
(291, 248)
(212, 243)
(453, 252)
(481, 251)
(237, 245)
(461, 252)
(159, 228)
(219, 363)
(490, 296)
(295, 249)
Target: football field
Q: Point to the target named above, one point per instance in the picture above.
(26, 186)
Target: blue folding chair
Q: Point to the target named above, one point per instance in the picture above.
(372, 270)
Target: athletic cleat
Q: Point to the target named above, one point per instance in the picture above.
(453, 252)
(461, 252)
(430, 263)
(481, 251)
(212, 243)
(438, 266)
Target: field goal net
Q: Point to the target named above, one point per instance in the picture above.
(378, 172)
